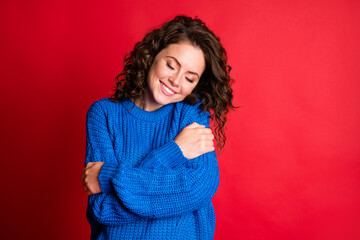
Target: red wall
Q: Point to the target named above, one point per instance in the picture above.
(291, 166)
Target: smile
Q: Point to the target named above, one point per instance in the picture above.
(167, 91)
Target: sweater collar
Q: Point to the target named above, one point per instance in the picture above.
(156, 115)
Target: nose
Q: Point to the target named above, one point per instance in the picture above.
(174, 79)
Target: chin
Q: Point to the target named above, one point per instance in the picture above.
(167, 101)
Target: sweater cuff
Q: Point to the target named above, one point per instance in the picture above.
(169, 155)
(107, 172)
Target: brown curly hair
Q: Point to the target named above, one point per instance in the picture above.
(213, 88)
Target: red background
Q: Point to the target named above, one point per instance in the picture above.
(290, 169)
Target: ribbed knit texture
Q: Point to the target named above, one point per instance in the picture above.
(149, 189)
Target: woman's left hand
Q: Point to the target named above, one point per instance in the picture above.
(90, 178)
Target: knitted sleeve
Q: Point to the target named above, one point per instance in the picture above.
(165, 184)
(160, 188)
(99, 148)
(105, 207)
(157, 193)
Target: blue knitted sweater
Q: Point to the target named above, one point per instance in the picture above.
(149, 189)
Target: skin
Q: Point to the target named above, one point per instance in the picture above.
(178, 67)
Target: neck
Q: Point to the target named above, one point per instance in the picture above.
(144, 102)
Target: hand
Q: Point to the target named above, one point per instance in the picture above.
(90, 177)
(195, 140)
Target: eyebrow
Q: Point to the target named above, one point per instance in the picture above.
(180, 65)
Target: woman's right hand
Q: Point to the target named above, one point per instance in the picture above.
(195, 140)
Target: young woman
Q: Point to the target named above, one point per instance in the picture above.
(151, 169)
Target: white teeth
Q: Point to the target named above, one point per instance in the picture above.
(167, 89)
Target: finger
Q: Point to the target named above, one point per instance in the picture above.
(210, 144)
(208, 130)
(209, 148)
(89, 165)
(195, 125)
(87, 168)
(211, 137)
(89, 189)
(204, 134)
(204, 130)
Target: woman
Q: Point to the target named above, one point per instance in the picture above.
(151, 168)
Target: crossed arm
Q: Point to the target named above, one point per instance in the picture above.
(162, 186)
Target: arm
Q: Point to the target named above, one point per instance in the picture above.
(154, 193)
(165, 184)
(105, 207)
(99, 148)
(158, 188)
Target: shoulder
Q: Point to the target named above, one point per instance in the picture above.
(101, 106)
(105, 103)
(102, 102)
(194, 113)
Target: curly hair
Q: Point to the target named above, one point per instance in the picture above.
(213, 88)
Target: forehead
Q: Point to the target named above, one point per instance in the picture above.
(189, 56)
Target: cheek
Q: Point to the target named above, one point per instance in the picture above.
(161, 72)
(150, 77)
(188, 88)
(154, 74)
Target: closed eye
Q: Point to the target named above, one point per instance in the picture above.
(190, 80)
(169, 66)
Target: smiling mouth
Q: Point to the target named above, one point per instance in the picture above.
(167, 91)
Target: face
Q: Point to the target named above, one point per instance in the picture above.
(175, 72)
